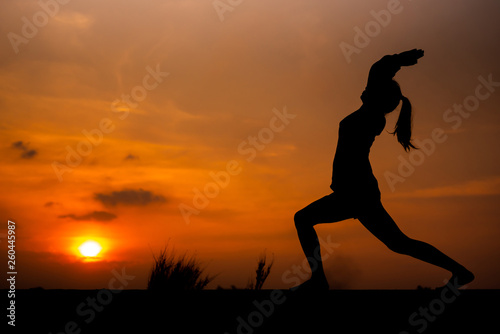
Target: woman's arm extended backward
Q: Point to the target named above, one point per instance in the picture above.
(387, 67)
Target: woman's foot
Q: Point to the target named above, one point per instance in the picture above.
(460, 278)
(313, 284)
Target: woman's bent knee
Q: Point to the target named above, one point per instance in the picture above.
(301, 220)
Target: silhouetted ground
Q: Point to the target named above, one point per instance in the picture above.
(245, 311)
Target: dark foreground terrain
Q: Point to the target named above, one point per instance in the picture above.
(246, 311)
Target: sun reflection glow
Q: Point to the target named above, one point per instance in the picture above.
(90, 248)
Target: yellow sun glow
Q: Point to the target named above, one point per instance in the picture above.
(90, 248)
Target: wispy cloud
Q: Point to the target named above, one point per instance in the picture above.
(130, 156)
(101, 216)
(485, 187)
(71, 19)
(137, 197)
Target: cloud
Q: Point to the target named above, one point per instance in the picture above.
(19, 145)
(486, 187)
(129, 197)
(40, 267)
(69, 19)
(27, 153)
(101, 216)
(131, 157)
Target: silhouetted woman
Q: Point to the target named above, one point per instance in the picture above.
(355, 189)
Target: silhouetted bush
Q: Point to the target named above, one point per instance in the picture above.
(176, 274)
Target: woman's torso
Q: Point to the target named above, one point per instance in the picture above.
(352, 172)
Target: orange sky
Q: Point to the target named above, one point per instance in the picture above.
(199, 87)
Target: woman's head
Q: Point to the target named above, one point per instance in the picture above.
(385, 99)
(382, 98)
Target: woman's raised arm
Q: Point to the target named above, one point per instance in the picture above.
(386, 68)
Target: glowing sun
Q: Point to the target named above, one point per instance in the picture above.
(90, 248)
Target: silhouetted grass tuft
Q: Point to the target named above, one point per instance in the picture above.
(176, 274)
(261, 272)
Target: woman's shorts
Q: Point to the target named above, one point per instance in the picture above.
(340, 206)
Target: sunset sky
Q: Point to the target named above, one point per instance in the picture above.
(113, 113)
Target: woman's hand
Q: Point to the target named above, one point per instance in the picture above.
(410, 57)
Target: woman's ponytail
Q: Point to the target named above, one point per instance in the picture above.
(403, 126)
